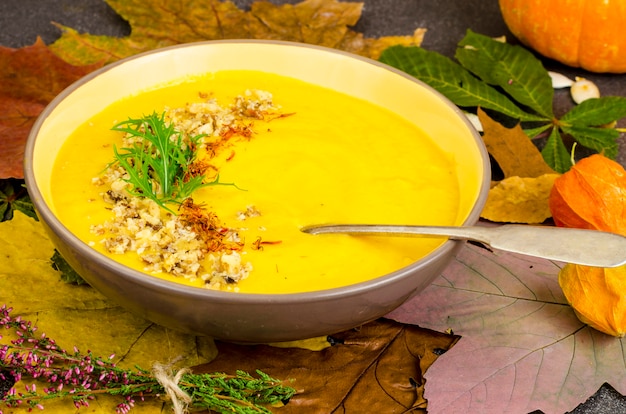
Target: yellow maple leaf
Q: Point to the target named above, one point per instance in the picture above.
(520, 200)
(79, 316)
(157, 23)
(67, 312)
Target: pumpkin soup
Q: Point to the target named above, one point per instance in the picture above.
(260, 156)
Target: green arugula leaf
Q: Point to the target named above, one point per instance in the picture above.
(513, 68)
(68, 275)
(158, 161)
(13, 196)
(555, 153)
(596, 112)
(452, 80)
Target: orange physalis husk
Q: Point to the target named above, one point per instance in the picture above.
(592, 195)
(598, 296)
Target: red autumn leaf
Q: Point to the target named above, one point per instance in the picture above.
(522, 348)
(30, 78)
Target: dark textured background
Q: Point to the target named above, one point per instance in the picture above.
(21, 21)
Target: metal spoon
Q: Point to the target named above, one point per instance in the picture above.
(586, 247)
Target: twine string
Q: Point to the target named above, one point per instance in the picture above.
(169, 381)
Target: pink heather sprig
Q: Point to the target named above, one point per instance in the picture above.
(82, 377)
(79, 377)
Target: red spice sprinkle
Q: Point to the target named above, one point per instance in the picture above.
(258, 243)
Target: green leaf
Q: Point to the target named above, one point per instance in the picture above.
(3, 208)
(555, 153)
(452, 80)
(534, 132)
(512, 68)
(68, 275)
(602, 140)
(596, 111)
(13, 196)
(158, 160)
(509, 80)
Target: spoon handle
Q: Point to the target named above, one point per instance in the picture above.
(586, 247)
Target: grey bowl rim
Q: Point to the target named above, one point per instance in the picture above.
(156, 283)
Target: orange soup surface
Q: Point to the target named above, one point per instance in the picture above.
(316, 156)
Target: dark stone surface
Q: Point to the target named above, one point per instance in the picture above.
(21, 21)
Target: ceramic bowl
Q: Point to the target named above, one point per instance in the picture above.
(256, 318)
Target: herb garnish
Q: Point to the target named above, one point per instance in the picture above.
(511, 81)
(159, 160)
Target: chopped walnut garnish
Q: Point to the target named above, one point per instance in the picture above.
(179, 243)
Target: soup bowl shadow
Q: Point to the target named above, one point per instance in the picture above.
(243, 317)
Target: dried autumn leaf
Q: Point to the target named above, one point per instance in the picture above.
(522, 197)
(378, 366)
(66, 312)
(80, 316)
(32, 76)
(522, 347)
(513, 151)
(29, 79)
(520, 200)
(26, 275)
(130, 338)
(320, 22)
(381, 364)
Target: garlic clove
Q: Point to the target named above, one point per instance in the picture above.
(559, 80)
(474, 120)
(584, 89)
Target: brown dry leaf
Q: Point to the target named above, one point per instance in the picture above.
(520, 200)
(379, 366)
(30, 78)
(512, 149)
(156, 24)
(324, 23)
(522, 197)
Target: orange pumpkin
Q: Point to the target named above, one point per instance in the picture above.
(582, 33)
